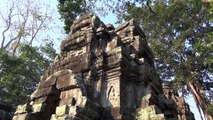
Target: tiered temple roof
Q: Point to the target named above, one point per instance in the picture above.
(102, 73)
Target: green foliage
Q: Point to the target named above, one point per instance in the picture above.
(69, 10)
(210, 109)
(180, 35)
(20, 74)
(48, 51)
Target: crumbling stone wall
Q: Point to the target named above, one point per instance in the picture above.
(102, 73)
(182, 107)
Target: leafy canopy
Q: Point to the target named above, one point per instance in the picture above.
(69, 10)
(20, 74)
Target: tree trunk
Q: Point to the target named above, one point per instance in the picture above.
(200, 98)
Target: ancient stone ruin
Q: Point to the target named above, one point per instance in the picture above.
(103, 73)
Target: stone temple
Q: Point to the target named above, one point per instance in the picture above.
(103, 73)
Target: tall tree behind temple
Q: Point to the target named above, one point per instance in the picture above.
(20, 74)
(23, 22)
(69, 10)
(180, 34)
(21, 65)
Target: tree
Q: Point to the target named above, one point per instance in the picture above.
(69, 10)
(180, 35)
(23, 22)
(19, 75)
(25, 48)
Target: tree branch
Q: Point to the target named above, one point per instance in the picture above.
(36, 32)
(150, 9)
(8, 22)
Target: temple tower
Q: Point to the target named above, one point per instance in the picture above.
(102, 73)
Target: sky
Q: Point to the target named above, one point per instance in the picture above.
(57, 35)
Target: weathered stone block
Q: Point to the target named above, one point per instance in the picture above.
(38, 107)
(64, 117)
(44, 92)
(22, 109)
(48, 82)
(72, 111)
(149, 113)
(40, 100)
(66, 81)
(24, 116)
(62, 110)
(66, 101)
(54, 117)
(72, 97)
(72, 93)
